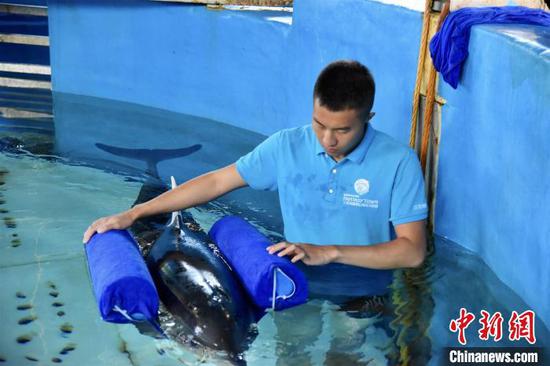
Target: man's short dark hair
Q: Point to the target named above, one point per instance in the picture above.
(345, 85)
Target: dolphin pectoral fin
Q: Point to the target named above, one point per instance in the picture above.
(150, 329)
(176, 219)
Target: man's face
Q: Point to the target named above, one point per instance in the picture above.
(338, 132)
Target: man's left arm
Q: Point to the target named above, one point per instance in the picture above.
(407, 250)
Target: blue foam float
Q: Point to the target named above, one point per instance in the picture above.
(123, 287)
(271, 281)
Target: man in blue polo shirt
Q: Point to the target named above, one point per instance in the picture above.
(345, 189)
(349, 194)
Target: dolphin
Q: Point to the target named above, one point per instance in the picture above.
(198, 287)
(194, 281)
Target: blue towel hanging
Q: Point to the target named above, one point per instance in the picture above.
(449, 46)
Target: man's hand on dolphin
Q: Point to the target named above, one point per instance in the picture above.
(119, 221)
(313, 255)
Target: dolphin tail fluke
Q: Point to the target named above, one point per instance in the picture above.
(151, 156)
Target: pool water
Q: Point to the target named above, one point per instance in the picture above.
(48, 311)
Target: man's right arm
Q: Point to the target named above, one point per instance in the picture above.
(191, 193)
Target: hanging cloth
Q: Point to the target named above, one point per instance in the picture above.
(449, 46)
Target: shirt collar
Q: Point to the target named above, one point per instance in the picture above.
(358, 154)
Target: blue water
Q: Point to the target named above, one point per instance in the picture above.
(47, 202)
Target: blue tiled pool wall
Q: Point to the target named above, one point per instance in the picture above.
(248, 70)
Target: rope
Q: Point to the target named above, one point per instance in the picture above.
(430, 98)
(419, 68)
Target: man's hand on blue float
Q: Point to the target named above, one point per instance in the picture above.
(120, 221)
(313, 255)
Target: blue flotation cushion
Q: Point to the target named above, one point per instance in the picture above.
(271, 281)
(123, 287)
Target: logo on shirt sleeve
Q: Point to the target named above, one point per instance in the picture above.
(361, 186)
(420, 206)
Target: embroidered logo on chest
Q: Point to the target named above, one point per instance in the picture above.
(361, 186)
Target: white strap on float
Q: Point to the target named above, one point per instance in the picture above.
(123, 312)
(274, 296)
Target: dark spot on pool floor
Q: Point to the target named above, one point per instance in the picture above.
(51, 285)
(57, 304)
(57, 360)
(4, 211)
(60, 313)
(9, 222)
(15, 243)
(27, 320)
(20, 295)
(24, 307)
(66, 328)
(26, 338)
(31, 358)
(54, 293)
(69, 347)
(14, 235)
(123, 347)
(2, 359)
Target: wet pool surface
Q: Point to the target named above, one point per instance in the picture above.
(49, 314)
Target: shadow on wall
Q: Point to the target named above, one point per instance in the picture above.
(125, 137)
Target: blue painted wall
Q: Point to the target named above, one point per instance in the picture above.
(235, 67)
(493, 193)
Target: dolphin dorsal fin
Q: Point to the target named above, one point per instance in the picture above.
(176, 219)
